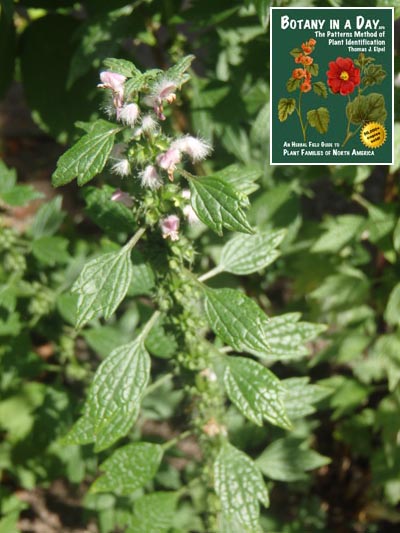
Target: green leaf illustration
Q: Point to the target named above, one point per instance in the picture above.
(286, 106)
(245, 254)
(129, 468)
(102, 285)
(313, 69)
(373, 75)
(237, 320)
(88, 156)
(370, 108)
(319, 119)
(240, 487)
(292, 84)
(319, 88)
(114, 398)
(219, 205)
(255, 391)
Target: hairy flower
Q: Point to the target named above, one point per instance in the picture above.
(115, 82)
(170, 227)
(168, 161)
(299, 73)
(149, 124)
(343, 76)
(163, 91)
(196, 149)
(150, 178)
(129, 114)
(122, 197)
(122, 167)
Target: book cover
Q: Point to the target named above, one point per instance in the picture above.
(331, 86)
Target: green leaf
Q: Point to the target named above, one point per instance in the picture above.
(370, 108)
(286, 106)
(48, 219)
(240, 487)
(219, 205)
(392, 311)
(396, 236)
(102, 285)
(114, 398)
(241, 177)
(286, 336)
(262, 8)
(154, 513)
(51, 250)
(255, 391)
(245, 254)
(129, 468)
(177, 71)
(8, 178)
(88, 156)
(319, 119)
(319, 88)
(299, 396)
(339, 231)
(292, 84)
(121, 66)
(112, 217)
(288, 459)
(373, 74)
(237, 320)
(21, 195)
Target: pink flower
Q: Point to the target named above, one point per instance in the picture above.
(168, 161)
(129, 114)
(150, 178)
(163, 91)
(115, 82)
(170, 227)
(196, 149)
(122, 197)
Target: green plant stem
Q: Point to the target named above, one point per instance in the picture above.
(210, 274)
(298, 111)
(153, 319)
(169, 444)
(158, 383)
(133, 241)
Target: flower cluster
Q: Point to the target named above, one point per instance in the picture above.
(159, 154)
(343, 76)
(304, 58)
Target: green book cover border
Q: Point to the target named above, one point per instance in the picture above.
(387, 154)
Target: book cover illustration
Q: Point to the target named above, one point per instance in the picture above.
(331, 86)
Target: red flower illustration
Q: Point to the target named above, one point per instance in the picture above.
(343, 76)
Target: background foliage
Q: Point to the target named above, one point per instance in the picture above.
(337, 469)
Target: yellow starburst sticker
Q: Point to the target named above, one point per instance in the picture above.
(373, 135)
